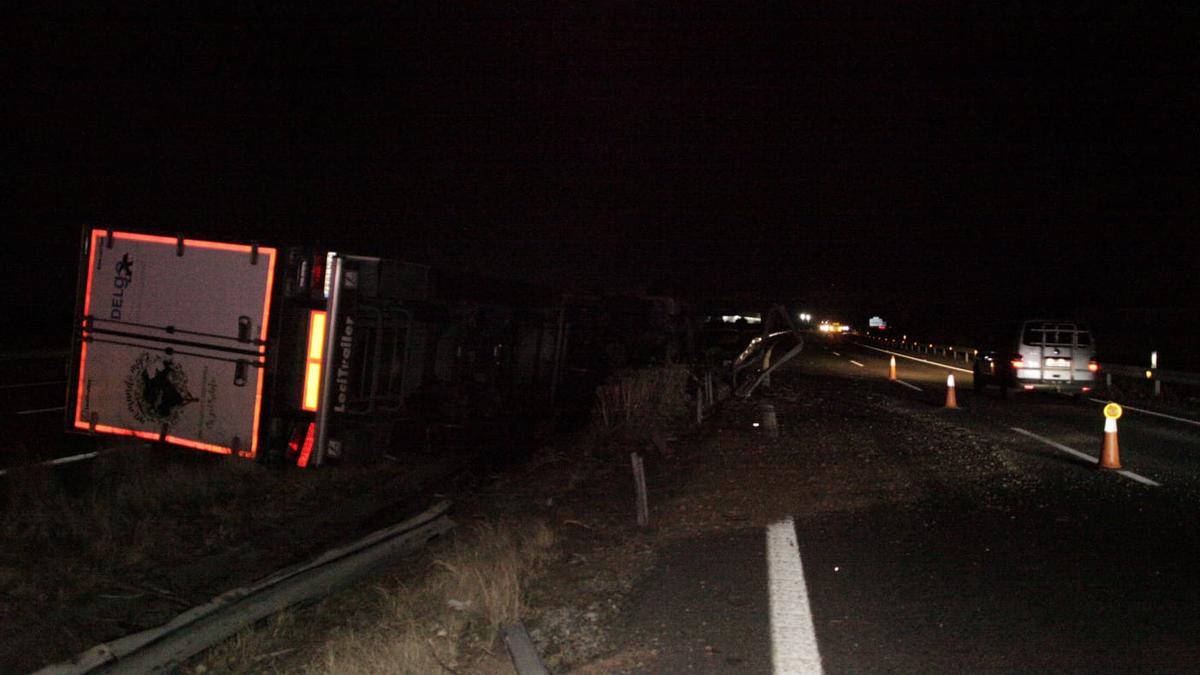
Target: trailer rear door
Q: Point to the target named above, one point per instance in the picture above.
(172, 340)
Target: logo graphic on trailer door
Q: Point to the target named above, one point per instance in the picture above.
(156, 389)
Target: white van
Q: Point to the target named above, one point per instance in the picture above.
(1042, 354)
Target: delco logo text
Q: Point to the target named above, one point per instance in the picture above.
(121, 281)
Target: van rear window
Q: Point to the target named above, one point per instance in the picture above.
(1056, 334)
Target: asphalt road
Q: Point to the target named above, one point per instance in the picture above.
(1040, 563)
(1089, 572)
(1160, 449)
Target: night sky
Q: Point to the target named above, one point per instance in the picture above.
(857, 158)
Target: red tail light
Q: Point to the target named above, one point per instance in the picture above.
(305, 448)
(1017, 361)
(1093, 366)
(318, 273)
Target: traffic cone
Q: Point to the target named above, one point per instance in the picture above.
(892, 369)
(951, 400)
(1110, 456)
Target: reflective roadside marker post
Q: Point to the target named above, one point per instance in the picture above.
(1110, 456)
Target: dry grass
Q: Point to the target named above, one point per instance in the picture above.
(132, 505)
(642, 400)
(446, 619)
(79, 545)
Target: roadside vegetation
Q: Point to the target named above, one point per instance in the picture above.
(83, 545)
(90, 550)
(640, 401)
(439, 614)
(442, 612)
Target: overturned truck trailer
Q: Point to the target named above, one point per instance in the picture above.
(305, 354)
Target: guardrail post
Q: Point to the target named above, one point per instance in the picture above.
(639, 480)
(770, 421)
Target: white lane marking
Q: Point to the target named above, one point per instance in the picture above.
(41, 410)
(836, 354)
(32, 384)
(913, 358)
(1149, 412)
(1082, 455)
(910, 386)
(857, 363)
(793, 637)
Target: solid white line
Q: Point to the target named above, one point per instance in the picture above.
(42, 410)
(910, 386)
(913, 358)
(1084, 456)
(1149, 412)
(857, 363)
(793, 637)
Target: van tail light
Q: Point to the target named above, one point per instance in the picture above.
(312, 362)
(1017, 361)
(1093, 366)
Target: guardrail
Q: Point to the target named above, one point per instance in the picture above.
(163, 648)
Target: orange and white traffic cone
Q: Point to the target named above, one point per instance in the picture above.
(951, 400)
(1110, 456)
(892, 369)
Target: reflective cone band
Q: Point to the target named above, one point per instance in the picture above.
(951, 400)
(1110, 456)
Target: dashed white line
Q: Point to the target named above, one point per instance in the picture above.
(836, 354)
(1083, 455)
(793, 637)
(910, 386)
(857, 363)
(1150, 412)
